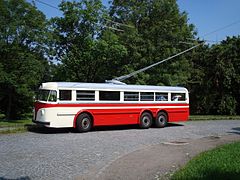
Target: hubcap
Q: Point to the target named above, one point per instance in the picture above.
(161, 119)
(85, 123)
(146, 120)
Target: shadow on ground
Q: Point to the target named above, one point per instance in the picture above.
(20, 178)
(236, 130)
(45, 130)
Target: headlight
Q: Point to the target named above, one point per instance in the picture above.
(42, 112)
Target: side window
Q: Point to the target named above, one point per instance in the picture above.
(178, 96)
(147, 96)
(131, 96)
(161, 96)
(109, 95)
(85, 95)
(52, 96)
(65, 95)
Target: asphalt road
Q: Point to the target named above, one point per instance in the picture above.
(63, 154)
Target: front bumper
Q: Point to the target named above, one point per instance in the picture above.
(40, 122)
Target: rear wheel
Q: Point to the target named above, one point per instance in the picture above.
(84, 123)
(145, 120)
(161, 120)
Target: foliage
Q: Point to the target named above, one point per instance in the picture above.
(2, 116)
(154, 32)
(90, 43)
(212, 117)
(217, 76)
(22, 63)
(87, 52)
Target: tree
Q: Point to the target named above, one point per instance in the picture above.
(218, 77)
(22, 48)
(154, 32)
(87, 51)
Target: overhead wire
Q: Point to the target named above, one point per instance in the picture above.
(206, 34)
(171, 57)
(108, 20)
(221, 28)
(49, 5)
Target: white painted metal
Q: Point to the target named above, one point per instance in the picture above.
(107, 86)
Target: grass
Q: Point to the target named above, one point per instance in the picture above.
(14, 126)
(212, 117)
(220, 163)
(14, 130)
(12, 123)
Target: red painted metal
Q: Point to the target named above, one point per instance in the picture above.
(123, 116)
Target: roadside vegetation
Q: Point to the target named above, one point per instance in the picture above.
(220, 163)
(212, 117)
(12, 123)
(86, 45)
(14, 126)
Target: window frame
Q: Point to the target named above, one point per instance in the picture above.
(114, 100)
(136, 92)
(71, 95)
(178, 93)
(93, 92)
(47, 95)
(161, 93)
(142, 94)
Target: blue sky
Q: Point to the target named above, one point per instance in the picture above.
(209, 15)
(206, 15)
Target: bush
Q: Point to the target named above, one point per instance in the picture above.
(2, 116)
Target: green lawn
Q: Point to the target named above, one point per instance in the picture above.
(220, 163)
(13, 123)
(14, 126)
(212, 117)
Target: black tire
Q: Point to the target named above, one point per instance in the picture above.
(161, 120)
(145, 120)
(84, 123)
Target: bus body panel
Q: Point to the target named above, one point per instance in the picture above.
(115, 116)
(57, 112)
(178, 114)
(63, 115)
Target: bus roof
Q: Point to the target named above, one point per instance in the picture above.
(108, 86)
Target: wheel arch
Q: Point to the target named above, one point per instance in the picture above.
(79, 113)
(143, 111)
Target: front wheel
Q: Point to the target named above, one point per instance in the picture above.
(145, 120)
(84, 123)
(161, 120)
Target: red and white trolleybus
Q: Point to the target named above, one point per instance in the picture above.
(84, 105)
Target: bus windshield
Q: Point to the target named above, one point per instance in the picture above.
(47, 95)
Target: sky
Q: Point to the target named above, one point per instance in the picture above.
(206, 15)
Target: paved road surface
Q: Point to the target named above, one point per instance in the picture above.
(63, 154)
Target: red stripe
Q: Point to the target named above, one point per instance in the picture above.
(45, 105)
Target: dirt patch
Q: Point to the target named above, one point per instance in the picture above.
(158, 161)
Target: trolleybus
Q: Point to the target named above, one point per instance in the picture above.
(86, 105)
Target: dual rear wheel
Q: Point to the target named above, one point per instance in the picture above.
(85, 122)
(161, 120)
(146, 120)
